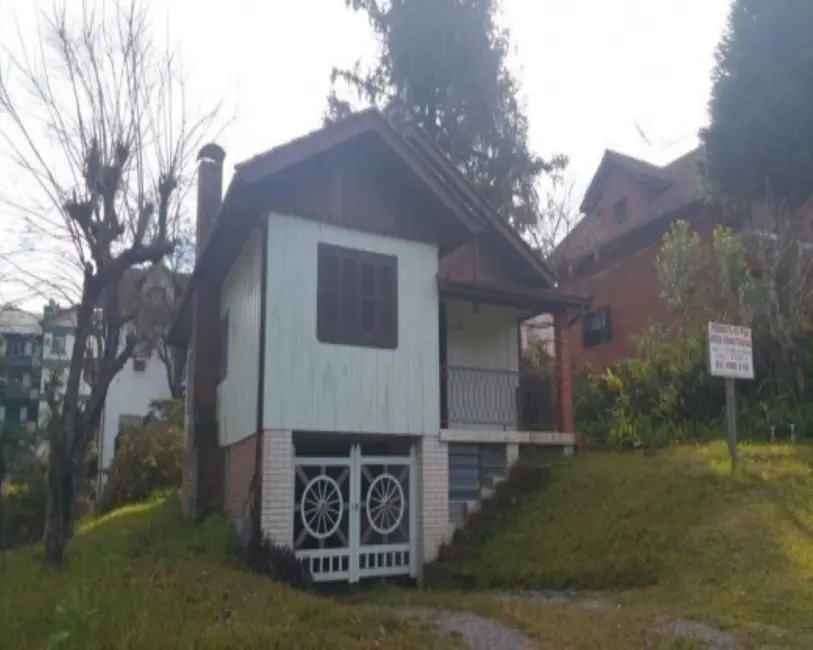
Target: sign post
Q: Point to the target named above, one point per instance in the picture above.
(731, 357)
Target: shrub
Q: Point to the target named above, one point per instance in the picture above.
(148, 458)
(22, 510)
(662, 395)
(279, 563)
(665, 394)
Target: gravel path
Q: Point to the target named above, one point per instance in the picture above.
(697, 631)
(479, 632)
(587, 600)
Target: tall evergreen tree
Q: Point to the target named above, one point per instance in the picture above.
(442, 63)
(760, 140)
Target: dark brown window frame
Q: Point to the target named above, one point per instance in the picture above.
(593, 335)
(620, 211)
(357, 297)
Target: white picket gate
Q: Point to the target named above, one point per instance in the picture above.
(356, 517)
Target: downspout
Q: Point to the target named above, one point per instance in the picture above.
(256, 513)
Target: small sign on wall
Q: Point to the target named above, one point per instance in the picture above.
(731, 354)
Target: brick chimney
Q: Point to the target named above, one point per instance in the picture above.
(210, 191)
(203, 459)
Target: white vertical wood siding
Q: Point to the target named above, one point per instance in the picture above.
(240, 296)
(482, 356)
(482, 336)
(315, 386)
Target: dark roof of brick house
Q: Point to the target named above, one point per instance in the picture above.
(680, 187)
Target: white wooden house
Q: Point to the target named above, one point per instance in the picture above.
(353, 327)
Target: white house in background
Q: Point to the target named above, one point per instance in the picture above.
(365, 304)
(141, 381)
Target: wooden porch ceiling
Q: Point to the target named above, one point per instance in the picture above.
(536, 300)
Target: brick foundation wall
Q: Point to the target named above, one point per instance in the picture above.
(434, 496)
(239, 461)
(277, 515)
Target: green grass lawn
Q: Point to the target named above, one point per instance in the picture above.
(672, 534)
(142, 578)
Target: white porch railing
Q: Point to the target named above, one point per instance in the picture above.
(497, 399)
(481, 397)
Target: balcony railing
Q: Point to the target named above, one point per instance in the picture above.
(485, 397)
(501, 399)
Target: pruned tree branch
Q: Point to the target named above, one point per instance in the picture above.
(95, 116)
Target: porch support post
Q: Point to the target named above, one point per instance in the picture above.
(563, 369)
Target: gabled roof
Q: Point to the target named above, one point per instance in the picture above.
(468, 193)
(465, 204)
(646, 172)
(334, 134)
(680, 189)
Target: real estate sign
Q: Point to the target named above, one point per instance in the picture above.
(731, 354)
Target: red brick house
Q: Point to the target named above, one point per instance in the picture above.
(611, 254)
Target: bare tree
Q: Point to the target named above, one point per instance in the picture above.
(558, 216)
(99, 124)
(179, 266)
(776, 294)
(759, 274)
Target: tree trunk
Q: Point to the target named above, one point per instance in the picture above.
(801, 382)
(54, 537)
(67, 502)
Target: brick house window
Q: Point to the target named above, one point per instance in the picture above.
(620, 211)
(357, 298)
(16, 348)
(58, 344)
(223, 354)
(597, 328)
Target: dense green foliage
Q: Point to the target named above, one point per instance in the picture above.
(22, 509)
(663, 395)
(22, 502)
(442, 64)
(141, 578)
(148, 457)
(693, 539)
(761, 134)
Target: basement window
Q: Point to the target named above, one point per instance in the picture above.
(472, 467)
(597, 328)
(620, 213)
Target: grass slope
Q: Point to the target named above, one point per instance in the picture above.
(142, 578)
(677, 532)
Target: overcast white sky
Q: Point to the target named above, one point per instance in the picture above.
(591, 70)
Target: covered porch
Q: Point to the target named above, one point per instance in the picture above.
(484, 383)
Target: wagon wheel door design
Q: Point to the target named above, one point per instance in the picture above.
(322, 516)
(354, 516)
(386, 526)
